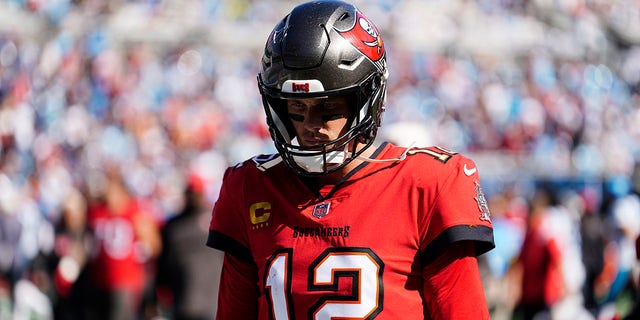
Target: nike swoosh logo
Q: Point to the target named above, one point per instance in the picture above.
(468, 171)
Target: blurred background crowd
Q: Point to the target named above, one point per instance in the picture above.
(118, 118)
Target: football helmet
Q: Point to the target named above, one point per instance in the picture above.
(321, 49)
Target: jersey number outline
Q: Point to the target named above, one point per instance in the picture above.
(441, 154)
(361, 265)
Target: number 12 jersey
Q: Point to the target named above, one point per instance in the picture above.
(355, 250)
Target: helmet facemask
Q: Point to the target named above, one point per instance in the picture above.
(365, 100)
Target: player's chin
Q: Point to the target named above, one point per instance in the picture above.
(316, 145)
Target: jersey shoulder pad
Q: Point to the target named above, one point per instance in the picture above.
(265, 161)
(251, 168)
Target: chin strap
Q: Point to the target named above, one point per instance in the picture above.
(315, 163)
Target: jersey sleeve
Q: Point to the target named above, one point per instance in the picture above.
(454, 285)
(227, 230)
(238, 292)
(458, 212)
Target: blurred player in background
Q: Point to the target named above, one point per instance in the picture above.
(335, 225)
(126, 239)
(187, 270)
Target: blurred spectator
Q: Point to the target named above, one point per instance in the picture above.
(564, 226)
(126, 238)
(620, 251)
(33, 294)
(188, 272)
(635, 310)
(594, 235)
(634, 313)
(70, 255)
(508, 216)
(621, 261)
(9, 240)
(539, 265)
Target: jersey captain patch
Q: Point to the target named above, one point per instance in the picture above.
(259, 214)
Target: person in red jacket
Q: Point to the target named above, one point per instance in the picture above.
(126, 238)
(539, 265)
(333, 226)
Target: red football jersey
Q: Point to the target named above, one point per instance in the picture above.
(117, 263)
(357, 250)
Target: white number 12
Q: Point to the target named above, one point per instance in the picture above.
(360, 264)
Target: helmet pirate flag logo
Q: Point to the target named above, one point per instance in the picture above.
(365, 37)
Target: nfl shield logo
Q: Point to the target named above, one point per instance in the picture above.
(320, 210)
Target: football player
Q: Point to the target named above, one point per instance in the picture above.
(335, 226)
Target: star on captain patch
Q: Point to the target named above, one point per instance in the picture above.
(485, 215)
(321, 209)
